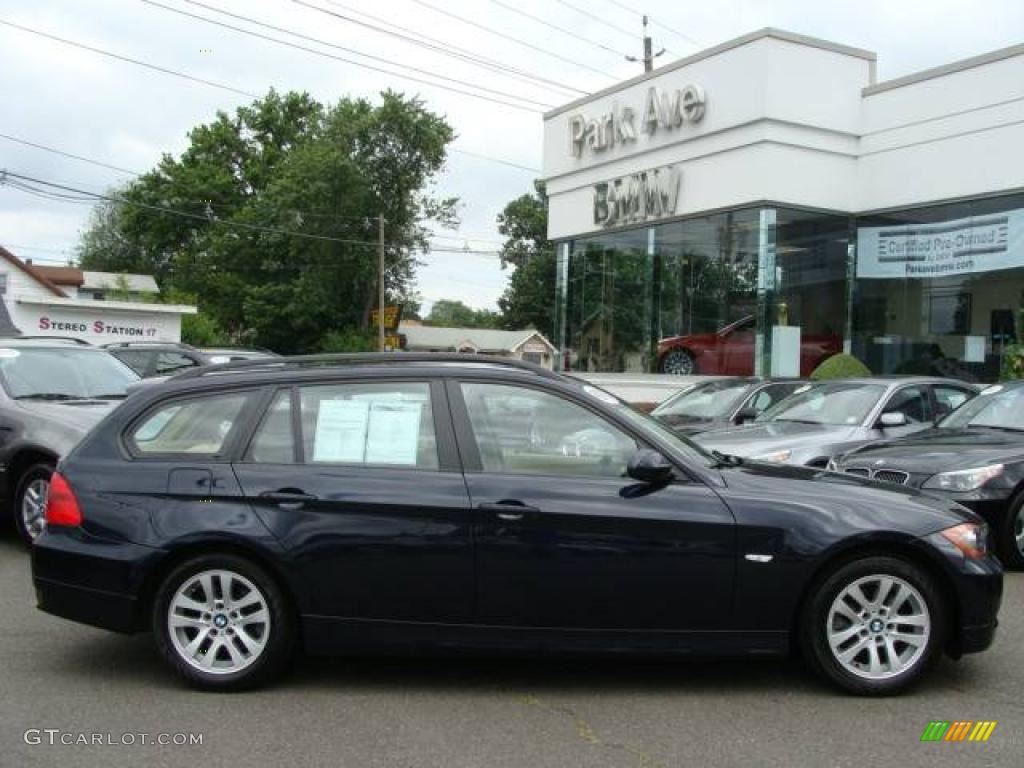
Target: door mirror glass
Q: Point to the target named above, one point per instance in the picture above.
(893, 419)
(649, 466)
(747, 413)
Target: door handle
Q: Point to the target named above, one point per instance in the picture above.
(510, 511)
(287, 496)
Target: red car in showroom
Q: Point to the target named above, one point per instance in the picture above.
(730, 351)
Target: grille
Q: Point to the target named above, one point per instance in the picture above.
(884, 475)
(892, 476)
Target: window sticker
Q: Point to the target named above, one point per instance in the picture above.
(394, 433)
(341, 431)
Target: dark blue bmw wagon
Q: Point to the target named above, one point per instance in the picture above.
(411, 503)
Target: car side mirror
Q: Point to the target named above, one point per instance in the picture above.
(649, 466)
(745, 415)
(893, 419)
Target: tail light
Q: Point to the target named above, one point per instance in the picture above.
(61, 505)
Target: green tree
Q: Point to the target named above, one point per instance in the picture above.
(283, 197)
(455, 314)
(529, 299)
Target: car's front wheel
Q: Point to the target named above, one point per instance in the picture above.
(222, 623)
(29, 503)
(874, 625)
(678, 362)
(1011, 538)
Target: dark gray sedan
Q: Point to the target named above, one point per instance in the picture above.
(51, 395)
(721, 403)
(822, 420)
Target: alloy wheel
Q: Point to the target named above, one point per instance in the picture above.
(878, 627)
(1018, 530)
(679, 363)
(219, 622)
(33, 507)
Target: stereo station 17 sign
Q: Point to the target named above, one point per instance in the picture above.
(957, 247)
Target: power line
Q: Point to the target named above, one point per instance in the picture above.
(563, 30)
(450, 49)
(6, 177)
(68, 154)
(516, 40)
(314, 51)
(666, 27)
(597, 19)
(129, 60)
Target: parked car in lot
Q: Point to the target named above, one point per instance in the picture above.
(51, 393)
(721, 403)
(383, 502)
(643, 391)
(730, 351)
(165, 358)
(817, 423)
(974, 456)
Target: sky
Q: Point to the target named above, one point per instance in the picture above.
(125, 115)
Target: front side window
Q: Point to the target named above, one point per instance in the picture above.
(172, 362)
(525, 431)
(389, 424)
(913, 403)
(948, 399)
(136, 359)
(197, 427)
(772, 394)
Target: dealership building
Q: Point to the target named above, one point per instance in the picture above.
(770, 202)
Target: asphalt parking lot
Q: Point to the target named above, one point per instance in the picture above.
(452, 712)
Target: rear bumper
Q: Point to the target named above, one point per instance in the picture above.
(91, 580)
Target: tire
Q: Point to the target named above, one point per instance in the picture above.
(678, 362)
(1011, 538)
(912, 594)
(220, 649)
(29, 502)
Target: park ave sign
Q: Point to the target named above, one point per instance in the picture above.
(662, 109)
(638, 197)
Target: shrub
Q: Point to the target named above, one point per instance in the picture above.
(349, 340)
(841, 366)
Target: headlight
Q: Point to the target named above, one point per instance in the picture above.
(780, 457)
(963, 479)
(969, 538)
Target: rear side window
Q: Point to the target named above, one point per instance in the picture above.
(197, 427)
(136, 359)
(383, 424)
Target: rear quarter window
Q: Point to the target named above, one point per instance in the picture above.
(197, 426)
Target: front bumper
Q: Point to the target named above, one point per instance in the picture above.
(978, 584)
(91, 580)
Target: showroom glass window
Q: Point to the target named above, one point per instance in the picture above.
(938, 289)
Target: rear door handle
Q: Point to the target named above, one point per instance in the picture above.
(509, 511)
(287, 497)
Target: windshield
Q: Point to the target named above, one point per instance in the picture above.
(58, 373)
(705, 402)
(836, 404)
(998, 407)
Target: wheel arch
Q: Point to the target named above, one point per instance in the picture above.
(901, 548)
(187, 551)
(24, 457)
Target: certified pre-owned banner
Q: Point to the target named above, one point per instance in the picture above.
(958, 247)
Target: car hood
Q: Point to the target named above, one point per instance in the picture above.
(841, 502)
(772, 436)
(939, 450)
(79, 416)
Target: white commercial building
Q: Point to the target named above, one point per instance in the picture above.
(773, 185)
(69, 302)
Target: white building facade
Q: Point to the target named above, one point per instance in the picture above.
(772, 185)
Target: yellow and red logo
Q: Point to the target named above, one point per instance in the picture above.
(958, 730)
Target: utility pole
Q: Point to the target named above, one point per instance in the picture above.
(649, 56)
(380, 282)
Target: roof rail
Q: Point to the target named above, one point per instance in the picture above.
(143, 343)
(364, 358)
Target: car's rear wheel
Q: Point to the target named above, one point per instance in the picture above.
(222, 623)
(29, 503)
(874, 625)
(678, 362)
(1011, 538)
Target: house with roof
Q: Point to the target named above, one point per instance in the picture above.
(98, 307)
(528, 344)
